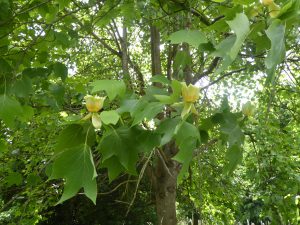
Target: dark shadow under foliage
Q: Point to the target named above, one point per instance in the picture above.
(110, 209)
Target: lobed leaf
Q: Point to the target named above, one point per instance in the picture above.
(111, 87)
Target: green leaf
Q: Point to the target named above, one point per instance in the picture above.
(276, 54)
(241, 27)
(149, 111)
(3, 146)
(60, 70)
(290, 12)
(5, 67)
(125, 143)
(176, 93)
(127, 105)
(229, 48)
(147, 140)
(165, 99)
(23, 88)
(230, 127)
(186, 109)
(234, 156)
(129, 12)
(122, 144)
(182, 59)
(74, 135)
(185, 130)
(176, 88)
(50, 16)
(62, 39)
(77, 167)
(151, 91)
(187, 137)
(63, 3)
(243, 2)
(10, 109)
(204, 136)
(114, 167)
(110, 117)
(14, 178)
(33, 179)
(167, 129)
(224, 47)
(185, 155)
(160, 79)
(58, 92)
(112, 87)
(36, 72)
(27, 114)
(192, 37)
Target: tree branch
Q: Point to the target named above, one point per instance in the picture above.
(209, 70)
(222, 77)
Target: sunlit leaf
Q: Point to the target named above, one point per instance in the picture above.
(149, 111)
(111, 87)
(60, 70)
(234, 155)
(229, 48)
(192, 37)
(10, 110)
(276, 54)
(167, 129)
(160, 79)
(76, 166)
(109, 117)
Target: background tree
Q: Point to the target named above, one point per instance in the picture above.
(154, 127)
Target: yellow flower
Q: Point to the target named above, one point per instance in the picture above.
(267, 2)
(248, 109)
(190, 93)
(96, 120)
(94, 103)
(274, 10)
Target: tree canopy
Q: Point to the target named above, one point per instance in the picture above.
(149, 112)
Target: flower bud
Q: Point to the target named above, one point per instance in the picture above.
(94, 103)
(190, 93)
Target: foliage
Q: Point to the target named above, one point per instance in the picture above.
(207, 92)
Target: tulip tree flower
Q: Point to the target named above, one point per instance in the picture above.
(248, 109)
(190, 95)
(94, 104)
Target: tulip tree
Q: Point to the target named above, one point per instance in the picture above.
(128, 84)
(141, 126)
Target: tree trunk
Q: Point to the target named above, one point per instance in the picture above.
(166, 170)
(196, 218)
(166, 173)
(166, 182)
(125, 59)
(155, 51)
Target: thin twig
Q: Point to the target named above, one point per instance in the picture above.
(116, 188)
(138, 182)
(162, 158)
(222, 77)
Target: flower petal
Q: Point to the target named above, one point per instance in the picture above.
(96, 121)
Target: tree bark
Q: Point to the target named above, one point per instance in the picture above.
(155, 51)
(166, 170)
(124, 57)
(165, 192)
(196, 218)
(166, 173)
